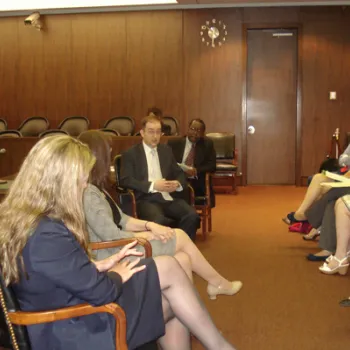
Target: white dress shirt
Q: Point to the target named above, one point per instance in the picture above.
(187, 149)
(154, 171)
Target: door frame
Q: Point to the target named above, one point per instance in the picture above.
(244, 152)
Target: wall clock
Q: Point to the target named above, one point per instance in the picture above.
(214, 33)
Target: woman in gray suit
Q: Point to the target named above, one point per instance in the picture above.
(105, 222)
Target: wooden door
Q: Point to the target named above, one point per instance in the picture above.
(271, 106)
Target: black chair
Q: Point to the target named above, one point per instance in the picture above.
(10, 133)
(110, 132)
(33, 126)
(3, 125)
(126, 198)
(173, 124)
(74, 125)
(226, 159)
(125, 125)
(13, 333)
(53, 132)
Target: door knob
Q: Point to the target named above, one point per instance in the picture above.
(251, 129)
(2, 150)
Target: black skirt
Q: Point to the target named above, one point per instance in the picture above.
(141, 300)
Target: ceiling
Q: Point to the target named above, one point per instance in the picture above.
(262, 2)
(188, 4)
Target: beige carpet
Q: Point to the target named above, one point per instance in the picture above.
(285, 303)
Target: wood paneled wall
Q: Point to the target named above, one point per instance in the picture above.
(107, 64)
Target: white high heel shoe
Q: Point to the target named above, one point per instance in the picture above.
(329, 259)
(213, 291)
(341, 268)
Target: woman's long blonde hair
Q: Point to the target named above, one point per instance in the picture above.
(50, 183)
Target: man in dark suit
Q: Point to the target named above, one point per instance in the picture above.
(198, 154)
(150, 169)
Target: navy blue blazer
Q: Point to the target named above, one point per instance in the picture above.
(58, 273)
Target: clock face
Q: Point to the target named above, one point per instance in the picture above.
(213, 33)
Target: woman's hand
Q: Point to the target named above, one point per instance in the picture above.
(160, 232)
(107, 264)
(127, 269)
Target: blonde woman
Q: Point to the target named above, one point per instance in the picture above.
(105, 222)
(44, 257)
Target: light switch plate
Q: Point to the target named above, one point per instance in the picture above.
(332, 95)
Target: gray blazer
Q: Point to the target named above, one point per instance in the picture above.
(99, 220)
(101, 226)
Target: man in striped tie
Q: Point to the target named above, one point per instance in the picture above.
(196, 155)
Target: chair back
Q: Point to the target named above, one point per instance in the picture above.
(53, 132)
(3, 125)
(117, 166)
(173, 124)
(12, 336)
(75, 125)
(33, 126)
(110, 132)
(125, 125)
(10, 133)
(224, 144)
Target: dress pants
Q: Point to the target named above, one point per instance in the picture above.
(321, 213)
(175, 213)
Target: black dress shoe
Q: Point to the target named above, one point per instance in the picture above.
(345, 302)
(312, 257)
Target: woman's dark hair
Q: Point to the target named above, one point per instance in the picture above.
(100, 145)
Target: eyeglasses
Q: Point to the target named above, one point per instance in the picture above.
(198, 131)
(154, 132)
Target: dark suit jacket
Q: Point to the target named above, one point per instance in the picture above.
(134, 170)
(204, 161)
(59, 274)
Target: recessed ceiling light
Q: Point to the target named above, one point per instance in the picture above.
(17, 5)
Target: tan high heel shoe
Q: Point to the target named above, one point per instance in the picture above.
(342, 267)
(214, 291)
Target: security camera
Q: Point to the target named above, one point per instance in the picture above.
(34, 20)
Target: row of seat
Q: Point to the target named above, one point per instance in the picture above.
(75, 125)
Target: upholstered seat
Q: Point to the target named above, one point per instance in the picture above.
(75, 125)
(53, 132)
(173, 124)
(10, 133)
(110, 132)
(124, 125)
(226, 159)
(226, 166)
(3, 125)
(33, 126)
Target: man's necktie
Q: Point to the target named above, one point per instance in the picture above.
(156, 173)
(190, 157)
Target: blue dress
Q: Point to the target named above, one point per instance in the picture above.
(58, 273)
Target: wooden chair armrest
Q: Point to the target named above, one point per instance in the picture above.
(207, 187)
(31, 318)
(191, 193)
(121, 242)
